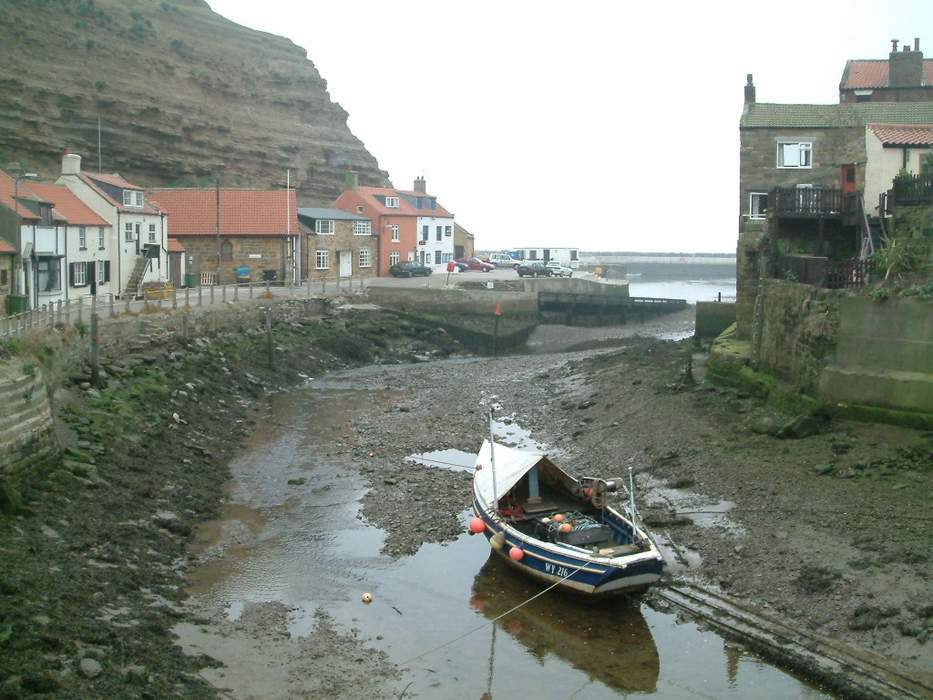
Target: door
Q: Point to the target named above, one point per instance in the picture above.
(848, 188)
(345, 269)
(175, 269)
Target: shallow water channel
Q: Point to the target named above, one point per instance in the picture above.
(304, 545)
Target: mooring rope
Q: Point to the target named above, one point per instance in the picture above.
(493, 620)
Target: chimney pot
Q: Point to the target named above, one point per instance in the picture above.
(916, 43)
(906, 48)
(749, 90)
(894, 43)
(352, 179)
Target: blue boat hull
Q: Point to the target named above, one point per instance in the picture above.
(574, 571)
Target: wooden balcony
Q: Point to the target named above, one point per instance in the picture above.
(913, 189)
(807, 202)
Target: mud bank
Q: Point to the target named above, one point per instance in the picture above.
(94, 562)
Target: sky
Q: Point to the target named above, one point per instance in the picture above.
(596, 124)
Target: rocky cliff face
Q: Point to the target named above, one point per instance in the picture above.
(182, 94)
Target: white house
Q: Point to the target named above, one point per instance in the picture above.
(139, 238)
(434, 227)
(890, 148)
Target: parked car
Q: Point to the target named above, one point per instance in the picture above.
(534, 269)
(409, 268)
(477, 264)
(558, 270)
(503, 260)
(461, 266)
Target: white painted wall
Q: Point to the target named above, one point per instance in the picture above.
(92, 253)
(883, 164)
(445, 246)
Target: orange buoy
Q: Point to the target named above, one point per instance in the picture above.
(476, 525)
(565, 527)
(515, 554)
(558, 518)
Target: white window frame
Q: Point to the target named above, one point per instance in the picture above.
(80, 276)
(139, 199)
(127, 198)
(100, 272)
(396, 238)
(394, 257)
(362, 228)
(448, 231)
(751, 209)
(802, 147)
(128, 232)
(132, 198)
(365, 258)
(392, 203)
(324, 227)
(152, 233)
(101, 240)
(322, 260)
(82, 238)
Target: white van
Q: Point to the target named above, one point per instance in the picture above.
(502, 260)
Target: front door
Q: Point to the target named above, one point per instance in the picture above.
(175, 269)
(345, 269)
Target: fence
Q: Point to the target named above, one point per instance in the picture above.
(79, 311)
(913, 189)
(823, 272)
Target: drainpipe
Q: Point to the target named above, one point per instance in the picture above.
(119, 248)
(905, 157)
(65, 279)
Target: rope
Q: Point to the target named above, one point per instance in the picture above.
(493, 620)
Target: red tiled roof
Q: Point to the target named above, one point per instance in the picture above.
(193, 212)
(67, 205)
(92, 180)
(8, 189)
(873, 73)
(175, 246)
(904, 134)
(6, 247)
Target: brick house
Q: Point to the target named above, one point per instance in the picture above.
(905, 76)
(335, 243)
(464, 243)
(258, 232)
(7, 254)
(139, 230)
(410, 224)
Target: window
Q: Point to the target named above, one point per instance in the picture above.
(324, 227)
(322, 260)
(82, 238)
(49, 277)
(128, 232)
(226, 251)
(757, 205)
(392, 202)
(439, 233)
(794, 155)
(138, 198)
(394, 257)
(127, 198)
(425, 232)
(102, 271)
(573, 254)
(395, 236)
(448, 231)
(532, 254)
(437, 257)
(78, 274)
(359, 208)
(100, 237)
(362, 228)
(152, 233)
(447, 257)
(132, 198)
(366, 259)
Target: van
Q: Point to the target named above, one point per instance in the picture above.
(502, 260)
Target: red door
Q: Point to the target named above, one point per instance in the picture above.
(848, 188)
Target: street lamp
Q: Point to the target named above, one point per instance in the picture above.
(18, 175)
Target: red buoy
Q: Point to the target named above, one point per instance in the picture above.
(476, 525)
(515, 554)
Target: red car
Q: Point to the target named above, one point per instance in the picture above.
(476, 264)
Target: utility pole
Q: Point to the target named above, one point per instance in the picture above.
(217, 223)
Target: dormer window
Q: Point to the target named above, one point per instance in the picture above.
(132, 198)
(392, 202)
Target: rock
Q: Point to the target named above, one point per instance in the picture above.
(49, 532)
(297, 482)
(765, 425)
(823, 469)
(90, 668)
(583, 405)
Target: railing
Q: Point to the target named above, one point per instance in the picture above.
(806, 201)
(848, 274)
(208, 279)
(823, 272)
(913, 189)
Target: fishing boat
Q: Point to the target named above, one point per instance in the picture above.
(559, 529)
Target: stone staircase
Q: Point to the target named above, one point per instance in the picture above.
(136, 277)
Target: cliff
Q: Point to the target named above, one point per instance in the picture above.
(182, 94)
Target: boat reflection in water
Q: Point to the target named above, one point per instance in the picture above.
(610, 641)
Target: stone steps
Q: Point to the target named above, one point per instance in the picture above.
(871, 386)
(20, 419)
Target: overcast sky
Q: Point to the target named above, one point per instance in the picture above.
(602, 125)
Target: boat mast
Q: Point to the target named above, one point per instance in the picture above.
(492, 465)
(631, 494)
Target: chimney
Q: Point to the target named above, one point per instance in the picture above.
(420, 185)
(916, 43)
(749, 90)
(71, 164)
(905, 68)
(352, 180)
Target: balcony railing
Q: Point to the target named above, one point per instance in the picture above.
(822, 272)
(807, 201)
(913, 189)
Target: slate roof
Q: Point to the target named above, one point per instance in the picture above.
(67, 206)
(325, 213)
(865, 74)
(405, 207)
(193, 211)
(115, 180)
(900, 135)
(857, 114)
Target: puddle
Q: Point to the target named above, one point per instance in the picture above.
(454, 460)
(308, 549)
(691, 505)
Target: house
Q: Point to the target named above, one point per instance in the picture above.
(230, 234)
(336, 243)
(464, 243)
(410, 224)
(88, 240)
(7, 256)
(905, 76)
(893, 149)
(139, 238)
